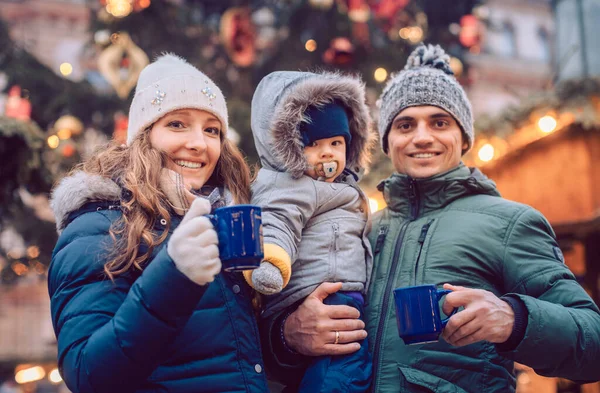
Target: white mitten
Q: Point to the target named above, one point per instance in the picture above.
(194, 245)
(267, 279)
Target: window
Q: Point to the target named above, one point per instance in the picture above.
(507, 43)
(544, 45)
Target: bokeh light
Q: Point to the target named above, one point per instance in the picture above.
(486, 152)
(66, 69)
(547, 124)
(311, 45)
(380, 74)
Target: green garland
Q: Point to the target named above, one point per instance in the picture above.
(22, 144)
(21, 163)
(570, 95)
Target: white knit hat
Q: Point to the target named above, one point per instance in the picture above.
(170, 83)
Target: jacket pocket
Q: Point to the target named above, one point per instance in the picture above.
(419, 381)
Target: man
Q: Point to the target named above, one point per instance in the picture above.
(446, 224)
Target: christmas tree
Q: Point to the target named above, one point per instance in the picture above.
(236, 43)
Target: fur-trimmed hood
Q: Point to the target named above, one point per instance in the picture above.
(74, 191)
(78, 189)
(278, 107)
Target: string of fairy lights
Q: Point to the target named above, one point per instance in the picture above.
(493, 148)
(27, 373)
(122, 8)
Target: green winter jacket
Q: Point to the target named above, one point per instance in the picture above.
(455, 228)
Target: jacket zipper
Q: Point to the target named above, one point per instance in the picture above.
(414, 199)
(336, 235)
(386, 300)
(334, 249)
(414, 209)
(421, 241)
(380, 239)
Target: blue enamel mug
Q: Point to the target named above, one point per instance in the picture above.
(239, 229)
(418, 313)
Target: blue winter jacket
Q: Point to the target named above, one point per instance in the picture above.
(150, 331)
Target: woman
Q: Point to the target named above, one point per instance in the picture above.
(138, 303)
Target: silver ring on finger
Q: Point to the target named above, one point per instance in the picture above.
(337, 337)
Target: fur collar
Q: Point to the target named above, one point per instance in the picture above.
(320, 89)
(78, 189)
(74, 191)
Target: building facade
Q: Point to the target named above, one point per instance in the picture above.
(54, 31)
(515, 56)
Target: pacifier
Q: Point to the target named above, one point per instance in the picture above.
(326, 170)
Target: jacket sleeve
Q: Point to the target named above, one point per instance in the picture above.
(112, 335)
(287, 205)
(562, 338)
(281, 364)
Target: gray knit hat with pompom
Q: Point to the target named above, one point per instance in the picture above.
(426, 80)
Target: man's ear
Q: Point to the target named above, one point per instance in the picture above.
(465, 144)
(387, 145)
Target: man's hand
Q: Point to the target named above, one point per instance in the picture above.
(311, 329)
(485, 317)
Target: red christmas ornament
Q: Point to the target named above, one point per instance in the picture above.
(358, 11)
(340, 52)
(120, 131)
(471, 31)
(386, 11)
(139, 5)
(68, 150)
(238, 36)
(16, 106)
(360, 32)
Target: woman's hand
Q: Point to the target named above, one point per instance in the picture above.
(194, 245)
(311, 329)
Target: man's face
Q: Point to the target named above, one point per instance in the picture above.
(424, 141)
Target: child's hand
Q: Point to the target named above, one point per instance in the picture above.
(267, 279)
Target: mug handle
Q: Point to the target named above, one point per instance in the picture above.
(213, 219)
(444, 292)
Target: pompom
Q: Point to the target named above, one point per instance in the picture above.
(170, 58)
(429, 56)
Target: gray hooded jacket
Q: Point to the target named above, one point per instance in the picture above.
(322, 226)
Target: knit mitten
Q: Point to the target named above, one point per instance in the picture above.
(194, 245)
(274, 271)
(267, 279)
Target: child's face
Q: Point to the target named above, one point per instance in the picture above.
(326, 158)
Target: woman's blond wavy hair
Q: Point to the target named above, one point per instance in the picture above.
(137, 168)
